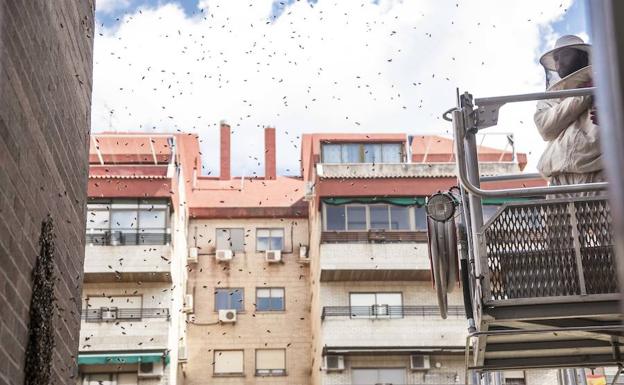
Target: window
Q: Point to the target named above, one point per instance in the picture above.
(100, 379)
(373, 376)
(269, 239)
(362, 153)
(356, 217)
(270, 299)
(226, 299)
(399, 218)
(334, 217)
(127, 222)
(363, 217)
(376, 305)
(270, 362)
(420, 213)
(231, 239)
(228, 362)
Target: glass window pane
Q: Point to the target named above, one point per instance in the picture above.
(98, 220)
(399, 217)
(152, 219)
(335, 217)
(277, 243)
(123, 220)
(421, 218)
(391, 152)
(263, 304)
(372, 153)
(228, 361)
(351, 153)
(356, 217)
(392, 299)
(222, 299)
(236, 299)
(237, 239)
(379, 217)
(362, 305)
(331, 153)
(263, 237)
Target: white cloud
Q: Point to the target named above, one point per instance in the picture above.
(342, 66)
(109, 6)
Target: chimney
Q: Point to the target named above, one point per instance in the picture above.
(269, 153)
(224, 173)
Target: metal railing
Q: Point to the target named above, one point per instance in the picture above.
(112, 314)
(393, 236)
(125, 237)
(550, 248)
(388, 311)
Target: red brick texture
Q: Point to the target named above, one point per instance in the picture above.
(270, 167)
(46, 55)
(224, 153)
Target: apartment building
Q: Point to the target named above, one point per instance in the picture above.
(133, 325)
(374, 311)
(248, 276)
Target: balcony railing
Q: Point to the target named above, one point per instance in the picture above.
(125, 237)
(373, 236)
(112, 314)
(387, 311)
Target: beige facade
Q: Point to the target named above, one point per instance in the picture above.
(263, 346)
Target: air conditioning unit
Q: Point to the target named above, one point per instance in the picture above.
(224, 255)
(419, 362)
(150, 369)
(227, 315)
(303, 254)
(273, 256)
(192, 255)
(182, 354)
(187, 306)
(333, 363)
(109, 314)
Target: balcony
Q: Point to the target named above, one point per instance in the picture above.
(123, 314)
(128, 329)
(352, 329)
(406, 170)
(127, 237)
(128, 257)
(386, 311)
(387, 261)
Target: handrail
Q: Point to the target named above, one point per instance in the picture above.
(123, 314)
(387, 311)
(496, 178)
(459, 131)
(500, 100)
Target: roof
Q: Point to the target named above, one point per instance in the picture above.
(435, 148)
(130, 148)
(248, 197)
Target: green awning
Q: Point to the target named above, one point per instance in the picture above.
(398, 201)
(121, 358)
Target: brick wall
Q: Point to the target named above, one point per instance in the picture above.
(45, 93)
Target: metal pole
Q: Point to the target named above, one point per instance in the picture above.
(608, 34)
(499, 100)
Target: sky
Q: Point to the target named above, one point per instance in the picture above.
(318, 66)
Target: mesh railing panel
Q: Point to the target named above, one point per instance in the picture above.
(530, 249)
(594, 219)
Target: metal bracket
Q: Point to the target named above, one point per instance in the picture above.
(487, 116)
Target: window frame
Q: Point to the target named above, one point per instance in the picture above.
(228, 374)
(283, 309)
(229, 229)
(242, 291)
(270, 229)
(137, 230)
(389, 206)
(362, 151)
(376, 316)
(270, 374)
